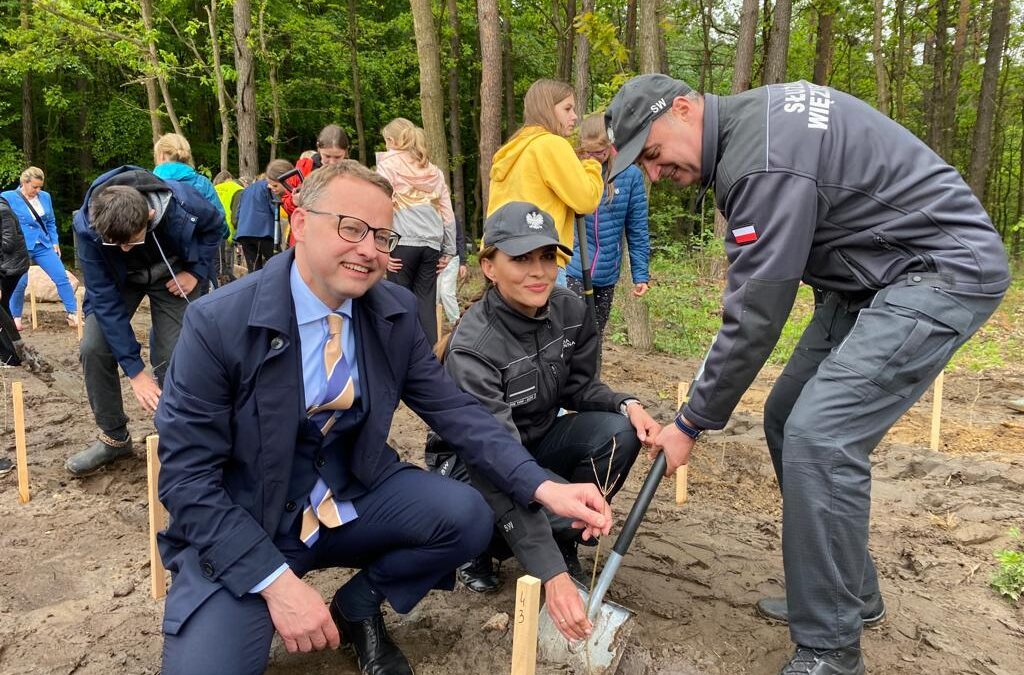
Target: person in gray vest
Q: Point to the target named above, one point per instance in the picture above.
(818, 186)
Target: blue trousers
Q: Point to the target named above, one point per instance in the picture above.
(413, 530)
(44, 256)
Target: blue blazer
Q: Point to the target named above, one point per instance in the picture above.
(29, 226)
(229, 420)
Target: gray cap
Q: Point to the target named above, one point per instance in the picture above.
(520, 227)
(637, 104)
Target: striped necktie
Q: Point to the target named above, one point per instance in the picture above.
(339, 395)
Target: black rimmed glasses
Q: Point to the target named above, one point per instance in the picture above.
(354, 230)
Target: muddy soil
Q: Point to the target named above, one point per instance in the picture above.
(74, 583)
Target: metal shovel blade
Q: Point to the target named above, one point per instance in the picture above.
(598, 655)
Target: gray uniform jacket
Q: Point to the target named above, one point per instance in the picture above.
(818, 186)
(523, 370)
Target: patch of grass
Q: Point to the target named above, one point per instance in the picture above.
(1008, 580)
(685, 304)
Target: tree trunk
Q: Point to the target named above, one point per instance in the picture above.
(222, 95)
(28, 136)
(705, 38)
(454, 124)
(564, 36)
(629, 34)
(275, 95)
(634, 309)
(900, 59)
(507, 79)
(85, 165)
(937, 99)
(981, 145)
(778, 43)
(650, 36)
(581, 79)
(245, 98)
(1015, 247)
(431, 96)
(949, 108)
(490, 92)
(823, 47)
(357, 90)
(881, 74)
(744, 64)
(146, 7)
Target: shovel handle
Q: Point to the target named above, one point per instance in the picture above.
(643, 500)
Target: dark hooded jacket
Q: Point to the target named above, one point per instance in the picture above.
(185, 233)
(13, 254)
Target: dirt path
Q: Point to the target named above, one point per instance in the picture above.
(74, 594)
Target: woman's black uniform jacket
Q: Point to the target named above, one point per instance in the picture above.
(523, 370)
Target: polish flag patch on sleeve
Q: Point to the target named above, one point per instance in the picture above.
(745, 235)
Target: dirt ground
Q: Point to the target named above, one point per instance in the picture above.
(74, 583)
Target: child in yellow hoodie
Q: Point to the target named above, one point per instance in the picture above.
(538, 164)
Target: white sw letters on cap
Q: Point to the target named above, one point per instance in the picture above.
(658, 105)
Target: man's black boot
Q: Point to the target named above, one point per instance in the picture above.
(775, 609)
(478, 575)
(572, 559)
(101, 453)
(376, 652)
(842, 661)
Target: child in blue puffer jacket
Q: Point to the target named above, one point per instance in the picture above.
(623, 208)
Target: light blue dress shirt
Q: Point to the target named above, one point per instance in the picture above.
(311, 316)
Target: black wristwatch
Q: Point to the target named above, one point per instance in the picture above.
(692, 432)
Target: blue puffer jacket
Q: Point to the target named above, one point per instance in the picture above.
(626, 211)
(188, 228)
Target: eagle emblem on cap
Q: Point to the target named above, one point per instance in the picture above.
(611, 135)
(534, 220)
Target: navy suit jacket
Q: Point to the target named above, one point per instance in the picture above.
(230, 413)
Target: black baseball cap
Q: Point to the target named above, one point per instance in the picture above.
(636, 105)
(520, 227)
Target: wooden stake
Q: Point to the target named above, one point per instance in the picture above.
(682, 472)
(157, 519)
(524, 635)
(439, 313)
(32, 302)
(80, 312)
(937, 409)
(19, 442)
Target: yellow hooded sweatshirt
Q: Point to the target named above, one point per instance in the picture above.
(540, 167)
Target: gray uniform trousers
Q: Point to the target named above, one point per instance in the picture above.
(855, 371)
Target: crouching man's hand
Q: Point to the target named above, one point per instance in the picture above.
(582, 502)
(300, 615)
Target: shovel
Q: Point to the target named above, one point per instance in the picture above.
(600, 653)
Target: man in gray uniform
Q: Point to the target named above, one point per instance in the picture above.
(819, 187)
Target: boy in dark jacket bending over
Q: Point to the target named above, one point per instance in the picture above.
(137, 236)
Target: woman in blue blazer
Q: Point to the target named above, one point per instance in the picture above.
(34, 209)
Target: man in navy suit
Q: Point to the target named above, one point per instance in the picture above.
(245, 463)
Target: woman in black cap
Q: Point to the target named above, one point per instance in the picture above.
(525, 350)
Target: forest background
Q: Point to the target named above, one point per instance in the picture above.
(86, 85)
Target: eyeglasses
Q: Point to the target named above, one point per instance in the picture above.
(127, 244)
(353, 230)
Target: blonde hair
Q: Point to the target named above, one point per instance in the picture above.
(540, 101)
(401, 134)
(32, 173)
(172, 148)
(594, 138)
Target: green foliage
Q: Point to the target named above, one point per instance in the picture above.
(120, 133)
(1008, 580)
